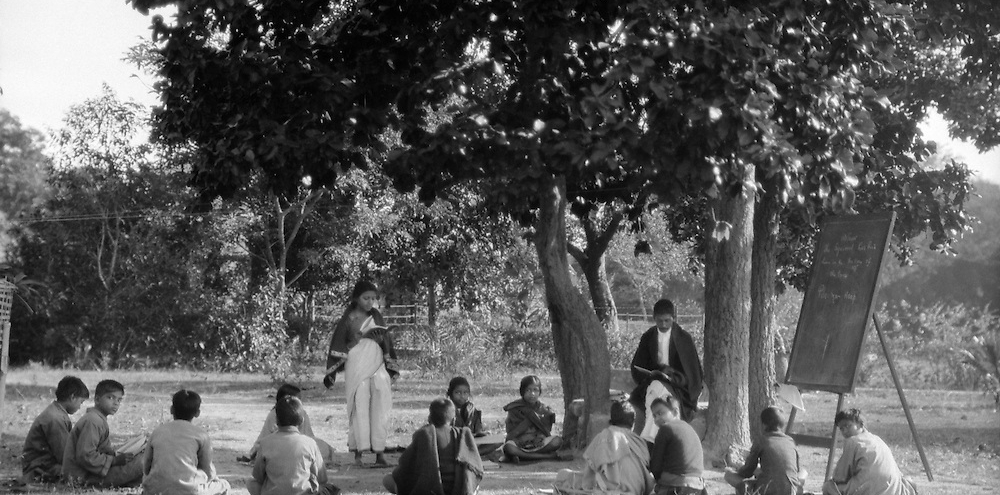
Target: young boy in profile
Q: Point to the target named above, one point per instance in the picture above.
(288, 462)
(178, 459)
(42, 456)
(780, 472)
(676, 459)
(89, 458)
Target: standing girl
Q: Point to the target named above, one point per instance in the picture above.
(362, 348)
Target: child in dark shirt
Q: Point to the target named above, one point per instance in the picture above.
(529, 425)
(41, 457)
(780, 472)
(677, 459)
(468, 416)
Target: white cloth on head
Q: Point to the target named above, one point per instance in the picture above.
(655, 390)
(369, 397)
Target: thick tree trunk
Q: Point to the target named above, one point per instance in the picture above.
(762, 301)
(580, 342)
(727, 318)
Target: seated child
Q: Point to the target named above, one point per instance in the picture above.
(866, 466)
(677, 460)
(441, 459)
(780, 472)
(271, 425)
(616, 460)
(41, 458)
(178, 457)
(288, 462)
(529, 425)
(468, 416)
(89, 458)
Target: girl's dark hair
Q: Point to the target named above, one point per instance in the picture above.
(622, 414)
(360, 288)
(439, 411)
(527, 382)
(185, 404)
(850, 415)
(285, 390)
(456, 382)
(288, 411)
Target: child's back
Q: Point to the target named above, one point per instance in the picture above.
(288, 462)
(45, 443)
(178, 459)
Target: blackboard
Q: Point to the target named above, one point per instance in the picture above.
(838, 302)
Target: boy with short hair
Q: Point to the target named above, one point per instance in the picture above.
(288, 462)
(42, 456)
(780, 472)
(89, 458)
(178, 458)
(866, 465)
(677, 459)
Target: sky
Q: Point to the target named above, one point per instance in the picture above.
(57, 53)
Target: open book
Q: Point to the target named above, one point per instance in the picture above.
(132, 446)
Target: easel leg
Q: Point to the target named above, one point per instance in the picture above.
(902, 399)
(833, 440)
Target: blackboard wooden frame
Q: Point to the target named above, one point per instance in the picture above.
(839, 301)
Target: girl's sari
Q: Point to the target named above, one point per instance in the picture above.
(369, 392)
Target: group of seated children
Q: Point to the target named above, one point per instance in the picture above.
(177, 458)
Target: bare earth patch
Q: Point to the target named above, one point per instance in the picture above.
(960, 431)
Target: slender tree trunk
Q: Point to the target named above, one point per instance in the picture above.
(762, 277)
(432, 304)
(727, 318)
(596, 273)
(580, 342)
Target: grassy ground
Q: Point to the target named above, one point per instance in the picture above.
(960, 431)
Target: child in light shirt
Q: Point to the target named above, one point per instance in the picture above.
(288, 462)
(42, 455)
(178, 459)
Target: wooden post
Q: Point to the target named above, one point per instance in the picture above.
(6, 302)
(902, 398)
(833, 439)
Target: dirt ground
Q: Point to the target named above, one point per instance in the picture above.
(960, 431)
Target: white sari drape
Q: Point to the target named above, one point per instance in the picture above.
(369, 395)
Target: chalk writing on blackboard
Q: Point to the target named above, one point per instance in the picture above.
(839, 299)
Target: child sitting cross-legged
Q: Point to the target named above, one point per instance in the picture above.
(467, 415)
(89, 458)
(271, 425)
(178, 458)
(440, 460)
(779, 472)
(288, 462)
(529, 425)
(41, 458)
(677, 460)
(866, 465)
(616, 461)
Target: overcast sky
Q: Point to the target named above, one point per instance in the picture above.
(57, 53)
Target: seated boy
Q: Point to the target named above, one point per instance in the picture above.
(89, 458)
(441, 459)
(178, 457)
(41, 458)
(866, 465)
(271, 426)
(288, 462)
(677, 460)
(780, 472)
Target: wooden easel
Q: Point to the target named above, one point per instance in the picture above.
(831, 441)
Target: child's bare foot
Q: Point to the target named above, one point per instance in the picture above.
(357, 459)
(380, 459)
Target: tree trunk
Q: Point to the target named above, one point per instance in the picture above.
(432, 305)
(762, 302)
(580, 342)
(596, 274)
(727, 318)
